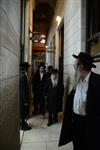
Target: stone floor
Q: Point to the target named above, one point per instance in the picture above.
(42, 137)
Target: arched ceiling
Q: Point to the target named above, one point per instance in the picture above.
(42, 15)
(52, 3)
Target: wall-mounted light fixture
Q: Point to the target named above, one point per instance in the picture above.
(50, 49)
(36, 37)
(42, 41)
(58, 19)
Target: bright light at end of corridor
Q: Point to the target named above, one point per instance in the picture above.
(43, 41)
(46, 46)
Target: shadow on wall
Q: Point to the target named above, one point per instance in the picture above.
(66, 91)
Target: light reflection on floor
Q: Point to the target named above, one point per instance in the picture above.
(42, 137)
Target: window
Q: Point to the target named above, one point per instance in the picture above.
(93, 28)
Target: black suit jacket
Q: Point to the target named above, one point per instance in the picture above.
(55, 96)
(92, 114)
(39, 86)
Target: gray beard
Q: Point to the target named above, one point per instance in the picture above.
(77, 78)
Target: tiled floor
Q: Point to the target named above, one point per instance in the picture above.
(42, 137)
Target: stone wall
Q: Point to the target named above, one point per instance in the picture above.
(9, 74)
(54, 32)
(73, 16)
(72, 38)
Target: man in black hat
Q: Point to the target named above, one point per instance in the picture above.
(81, 122)
(24, 96)
(49, 71)
(39, 82)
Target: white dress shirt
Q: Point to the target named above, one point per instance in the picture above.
(41, 76)
(54, 81)
(79, 104)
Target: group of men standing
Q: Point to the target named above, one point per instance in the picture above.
(81, 123)
(47, 93)
(47, 89)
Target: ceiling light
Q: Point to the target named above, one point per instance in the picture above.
(43, 36)
(36, 41)
(43, 41)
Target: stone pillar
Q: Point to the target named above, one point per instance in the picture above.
(30, 30)
(9, 74)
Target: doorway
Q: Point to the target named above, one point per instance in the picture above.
(61, 52)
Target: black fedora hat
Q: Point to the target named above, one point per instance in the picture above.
(24, 65)
(54, 71)
(85, 58)
(42, 65)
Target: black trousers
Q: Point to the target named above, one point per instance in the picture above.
(79, 132)
(53, 117)
(42, 106)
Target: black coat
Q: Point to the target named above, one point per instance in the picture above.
(92, 115)
(55, 96)
(39, 87)
(23, 84)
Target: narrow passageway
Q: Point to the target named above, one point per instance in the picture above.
(42, 137)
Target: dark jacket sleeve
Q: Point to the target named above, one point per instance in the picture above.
(46, 87)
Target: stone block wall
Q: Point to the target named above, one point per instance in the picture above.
(73, 16)
(9, 74)
(72, 37)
